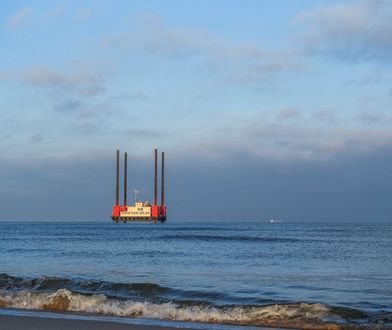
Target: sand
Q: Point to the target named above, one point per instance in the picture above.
(16, 322)
(8, 322)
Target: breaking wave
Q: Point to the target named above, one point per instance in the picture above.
(60, 295)
(312, 316)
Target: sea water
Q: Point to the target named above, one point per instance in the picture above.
(239, 273)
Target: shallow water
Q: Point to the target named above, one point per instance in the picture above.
(229, 273)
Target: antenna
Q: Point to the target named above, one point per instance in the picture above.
(136, 192)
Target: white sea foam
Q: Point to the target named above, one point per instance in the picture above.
(100, 304)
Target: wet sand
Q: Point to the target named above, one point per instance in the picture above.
(8, 322)
(12, 322)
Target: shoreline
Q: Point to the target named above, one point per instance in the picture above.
(35, 320)
(15, 322)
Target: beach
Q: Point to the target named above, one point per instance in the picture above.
(9, 322)
(21, 322)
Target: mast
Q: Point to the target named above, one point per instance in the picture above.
(163, 180)
(125, 177)
(117, 175)
(155, 177)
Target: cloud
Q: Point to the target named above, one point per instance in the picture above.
(55, 12)
(4, 75)
(36, 138)
(65, 85)
(69, 106)
(373, 78)
(83, 14)
(288, 113)
(68, 90)
(313, 141)
(20, 18)
(298, 191)
(374, 118)
(254, 72)
(7, 136)
(91, 90)
(136, 96)
(241, 62)
(86, 129)
(356, 30)
(145, 134)
(284, 140)
(155, 37)
(327, 116)
(45, 77)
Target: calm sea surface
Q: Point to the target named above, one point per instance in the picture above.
(228, 273)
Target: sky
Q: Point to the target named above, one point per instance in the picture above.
(265, 109)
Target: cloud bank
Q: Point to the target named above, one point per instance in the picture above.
(355, 30)
(350, 188)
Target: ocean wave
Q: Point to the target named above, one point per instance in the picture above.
(47, 283)
(150, 300)
(229, 238)
(307, 316)
(120, 290)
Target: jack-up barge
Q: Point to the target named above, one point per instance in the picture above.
(141, 210)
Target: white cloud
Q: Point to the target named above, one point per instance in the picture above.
(45, 77)
(83, 14)
(355, 30)
(242, 62)
(55, 12)
(286, 140)
(67, 90)
(155, 37)
(288, 113)
(91, 90)
(21, 17)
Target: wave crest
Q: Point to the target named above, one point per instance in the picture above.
(307, 316)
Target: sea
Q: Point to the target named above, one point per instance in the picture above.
(201, 274)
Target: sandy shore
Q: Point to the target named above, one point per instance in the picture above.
(8, 322)
(16, 322)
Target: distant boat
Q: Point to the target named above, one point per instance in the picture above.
(275, 221)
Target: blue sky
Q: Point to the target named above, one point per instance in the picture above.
(296, 84)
